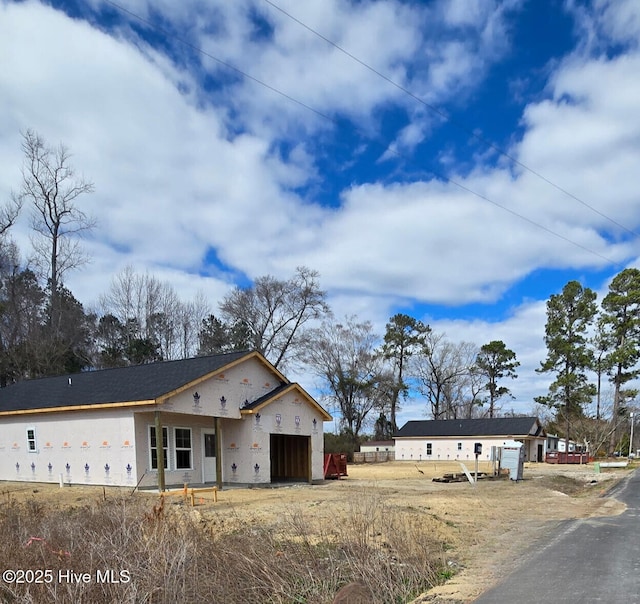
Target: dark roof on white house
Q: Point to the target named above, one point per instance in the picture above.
(497, 426)
(277, 392)
(119, 385)
(269, 396)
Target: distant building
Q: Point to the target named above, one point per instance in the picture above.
(557, 444)
(375, 446)
(375, 451)
(455, 439)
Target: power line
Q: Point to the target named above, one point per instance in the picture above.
(218, 60)
(292, 99)
(443, 114)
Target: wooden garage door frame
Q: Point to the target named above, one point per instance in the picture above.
(290, 457)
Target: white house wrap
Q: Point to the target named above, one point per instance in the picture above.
(455, 439)
(99, 427)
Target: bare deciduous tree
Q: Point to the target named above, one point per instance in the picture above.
(50, 184)
(275, 312)
(153, 312)
(189, 323)
(344, 357)
(9, 213)
(444, 373)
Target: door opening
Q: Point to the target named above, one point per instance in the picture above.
(290, 458)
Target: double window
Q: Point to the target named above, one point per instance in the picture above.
(179, 455)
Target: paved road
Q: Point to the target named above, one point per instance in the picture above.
(593, 560)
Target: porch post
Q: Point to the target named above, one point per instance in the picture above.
(159, 451)
(218, 455)
(310, 458)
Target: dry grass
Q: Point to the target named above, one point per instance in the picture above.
(173, 555)
(386, 526)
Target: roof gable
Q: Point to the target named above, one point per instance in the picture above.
(497, 426)
(122, 386)
(278, 393)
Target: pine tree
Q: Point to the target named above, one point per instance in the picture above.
(494, 362)
(621, 320)
(569, 317)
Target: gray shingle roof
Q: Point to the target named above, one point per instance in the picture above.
(277, 391)
(119, 385)
(497, 426)
(266, 397)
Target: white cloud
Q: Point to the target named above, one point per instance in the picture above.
(182, 168)
(168, 182)
(171, 183)
(586, 138)
(618, 20)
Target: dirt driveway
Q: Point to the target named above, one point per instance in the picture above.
(486, 527)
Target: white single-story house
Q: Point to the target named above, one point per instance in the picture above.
(553, 442)
(455, 439)
(377, 446)
(374, 451)
(225, 419)
(558, 444)
(574, 447)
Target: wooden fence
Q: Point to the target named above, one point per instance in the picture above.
(374, 456)
(558, 457)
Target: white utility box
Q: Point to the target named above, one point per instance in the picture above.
(512, 458)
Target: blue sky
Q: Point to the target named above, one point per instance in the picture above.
(207, 178)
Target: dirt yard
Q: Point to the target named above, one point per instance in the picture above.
(485, 528)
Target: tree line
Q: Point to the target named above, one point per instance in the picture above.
(45, 330)
(364, 376)
(587, 344)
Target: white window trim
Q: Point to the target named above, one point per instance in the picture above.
(167, 450)
(176, 448)
(34, 439)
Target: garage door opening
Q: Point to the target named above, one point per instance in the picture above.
(290, 458)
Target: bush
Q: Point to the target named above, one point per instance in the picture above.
(340, 443)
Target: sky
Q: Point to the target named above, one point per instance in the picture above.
(459, 161)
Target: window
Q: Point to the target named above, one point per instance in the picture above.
(209, 445)
(183, 448)
(154, 450)
(428, 448)
(31, 440)
(459, 446)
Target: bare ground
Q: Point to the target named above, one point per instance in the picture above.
(485, 529)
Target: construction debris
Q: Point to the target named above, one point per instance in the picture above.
(459, 477)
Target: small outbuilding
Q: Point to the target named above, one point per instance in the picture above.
(223, 419)
(455, 439)
(375, 450)
(377, 446)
